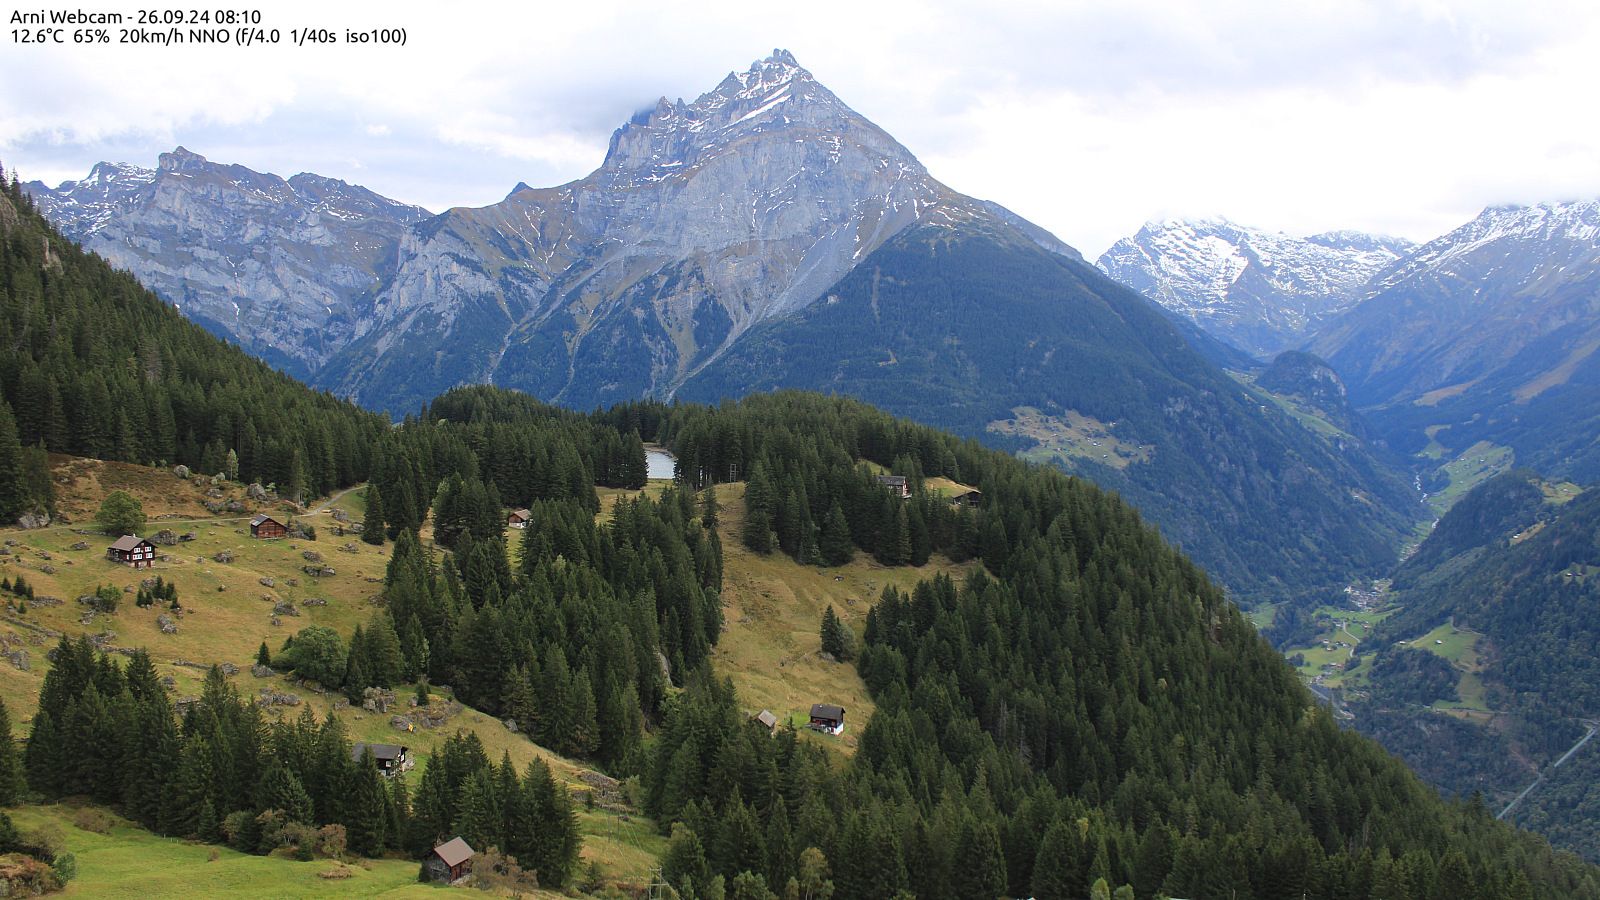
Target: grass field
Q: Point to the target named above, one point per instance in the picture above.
(1262, 616)
(773, 611)
(1463, 650)
(1477, 464)
(1069, 436)
(128, 861)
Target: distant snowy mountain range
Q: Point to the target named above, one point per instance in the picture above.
(1490, 332)
(1261, 291)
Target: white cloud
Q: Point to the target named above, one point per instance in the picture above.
(1085, 117)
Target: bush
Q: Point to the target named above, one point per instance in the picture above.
(106, 599)
(91, 819)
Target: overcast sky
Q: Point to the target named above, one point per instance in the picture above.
(1088, 118)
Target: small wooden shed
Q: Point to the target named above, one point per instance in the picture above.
(265, 526)
(449, 861)
(967, 498)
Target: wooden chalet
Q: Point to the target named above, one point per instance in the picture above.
(967, 498)
(449, 861)
(265, 526)
(392, 759)
(897, 485)
(518, 518)
(827, 718)
(132, 550)
(767, 720)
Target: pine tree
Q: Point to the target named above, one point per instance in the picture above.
(383, 653)
(982, 872)
(830, 632)
(549, 805)
(479, 818)
(12, 782)
(281, 789)
(13, 491)
(709, 507)
(1056, 875)
(836, 546)
(372, 525)
(41, 759)
(759, 504)
(367, 804)
(684, 865)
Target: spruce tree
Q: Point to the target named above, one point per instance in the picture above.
(830, 632)
(13, 491)
(709, 507)
(367, 803)
(372, 525)
(759, 507)
(384, 657)
(12, 781)
(835, 545)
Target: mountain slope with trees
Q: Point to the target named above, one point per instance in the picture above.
(960, 328)
(95, 365)
(1511, 571)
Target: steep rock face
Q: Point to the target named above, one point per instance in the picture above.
(285, 268)
(1490, 332)
(1261, 291)
(705, 219)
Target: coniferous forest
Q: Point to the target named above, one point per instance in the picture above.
(1084, 712)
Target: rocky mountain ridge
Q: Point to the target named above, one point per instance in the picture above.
(1262, 291)
(284, 267)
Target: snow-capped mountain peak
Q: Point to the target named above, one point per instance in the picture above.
(1260, 290)
(1558, 233)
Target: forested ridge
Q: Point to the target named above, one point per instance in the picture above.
(92, 364)
(1515, 570)
(1086, 706)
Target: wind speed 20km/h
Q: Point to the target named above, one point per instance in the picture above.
(170, 27)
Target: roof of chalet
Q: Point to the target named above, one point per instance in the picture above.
(892, 480)
(263, 517)
(522, 513)
(454, 852)
(766, 718)
(128, 542)
(379, 751)
(827, 711)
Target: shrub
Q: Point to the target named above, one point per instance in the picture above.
(106, 599)
(120, 513)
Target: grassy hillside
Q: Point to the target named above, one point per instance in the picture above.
(227, 613)
(118, 858)
(773, 609)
